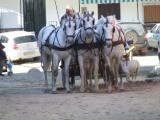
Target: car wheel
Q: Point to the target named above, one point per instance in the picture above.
(131, 37)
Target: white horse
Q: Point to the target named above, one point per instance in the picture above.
(88, 57)
(104, 31)
(62, 42)
(117, 52)
(57, 46)
(45, 50)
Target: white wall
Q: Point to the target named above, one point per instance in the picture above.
(129, 11)
(10, 16)
(51, 14)
(10, 4)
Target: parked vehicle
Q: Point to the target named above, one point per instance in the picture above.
(153, 36)
(19, 45)
(135, 35)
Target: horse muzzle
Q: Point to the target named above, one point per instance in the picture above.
(70, 38)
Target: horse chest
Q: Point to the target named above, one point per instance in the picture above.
(62, 54)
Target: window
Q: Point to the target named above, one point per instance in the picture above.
(158, 30)
(83, 9)
(3, 39)
(25, 39)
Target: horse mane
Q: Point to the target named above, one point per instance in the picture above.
(100, 21)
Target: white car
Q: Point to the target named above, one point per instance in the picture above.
(20, 45)
(153, 36)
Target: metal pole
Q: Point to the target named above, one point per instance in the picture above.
(57, 10)
(137, 11)
(79, 5)
(21, 2)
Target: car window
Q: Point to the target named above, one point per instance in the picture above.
(158, 30)
(154, 29)
(3, 39)
(25, 39)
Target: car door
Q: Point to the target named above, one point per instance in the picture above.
(27, 45)
(152, 36)
(156, 37)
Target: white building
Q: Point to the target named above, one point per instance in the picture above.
(10, 14)
(11, 11)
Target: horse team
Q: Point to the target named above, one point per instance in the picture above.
(80, 40)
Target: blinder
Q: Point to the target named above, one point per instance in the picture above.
(93, 21)
(113, 30)
(64, 28)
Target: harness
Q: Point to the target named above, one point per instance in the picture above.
(60, 48)
(119, 41)
(47, 40)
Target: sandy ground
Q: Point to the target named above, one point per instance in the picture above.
(140, 101)
(22, 98)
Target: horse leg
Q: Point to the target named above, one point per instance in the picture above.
(63, 76)
(108, 73)
(96, 68)
(116, 74)
(110, 78)
(66, 71)
(82, 73)
(46, 60)
(71, 75)
(90, 79)
(55, 62)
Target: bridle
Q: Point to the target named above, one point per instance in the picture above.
(102, 37)
(88, 28)
(73, 35)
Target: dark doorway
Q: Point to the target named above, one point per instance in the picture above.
(34, 12)
(109, 9)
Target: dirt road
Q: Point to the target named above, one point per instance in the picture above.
(27, 102)
(22, 98)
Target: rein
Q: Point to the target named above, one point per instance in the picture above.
(60, 47)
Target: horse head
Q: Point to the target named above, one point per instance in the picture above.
(104, 29)
(78, 19)
(88, 24)
(69, 29)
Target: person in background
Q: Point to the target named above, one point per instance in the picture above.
(3, 59)
(159, 50)
(69, 12)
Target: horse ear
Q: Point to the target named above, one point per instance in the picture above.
(74, 16)
(64, 28)
(107, 21)
(65, 16)
(102, 16)
(92, 13)
(84, 13)
(78, 14)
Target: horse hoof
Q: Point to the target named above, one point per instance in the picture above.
(82, 90)
(109, 91)
(46, 91)
(68, 91)
(54, 92)
(121, 90)
(116, 87)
